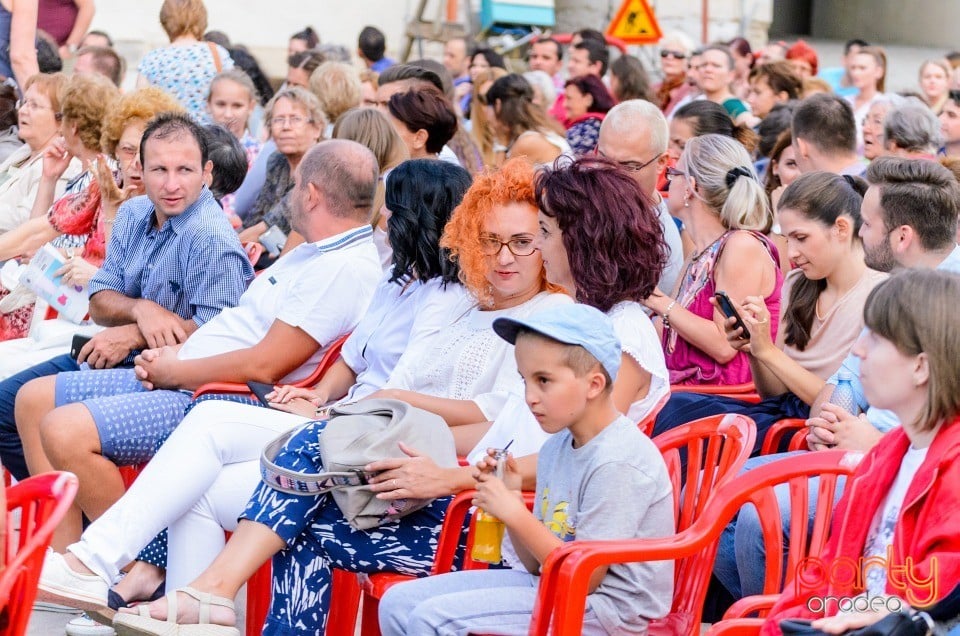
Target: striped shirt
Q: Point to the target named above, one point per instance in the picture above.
(193, 266)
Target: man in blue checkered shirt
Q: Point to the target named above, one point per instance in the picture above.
(172, 264)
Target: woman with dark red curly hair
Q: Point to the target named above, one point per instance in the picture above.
(586, 101)
(601, 241)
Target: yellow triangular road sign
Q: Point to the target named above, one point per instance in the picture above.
(635, 23)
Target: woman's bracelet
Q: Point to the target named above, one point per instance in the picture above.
(666, 313)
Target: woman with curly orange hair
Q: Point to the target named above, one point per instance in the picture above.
(491, 234)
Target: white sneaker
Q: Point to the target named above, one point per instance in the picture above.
(83, 626)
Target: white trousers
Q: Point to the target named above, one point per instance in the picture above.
(197, 485)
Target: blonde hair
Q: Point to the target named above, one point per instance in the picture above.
(371, 128)
(337, 86)
(183, 17)
(141, 105)
(709, 160)
(237, 77)
(482, 127)
(84, 101)
(915, 310)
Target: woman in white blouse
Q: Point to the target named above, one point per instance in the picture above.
(212, 456)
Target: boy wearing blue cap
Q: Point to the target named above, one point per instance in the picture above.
(598, 477)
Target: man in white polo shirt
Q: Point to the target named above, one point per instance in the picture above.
(278, 332)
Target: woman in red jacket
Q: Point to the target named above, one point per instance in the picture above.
(902, 533)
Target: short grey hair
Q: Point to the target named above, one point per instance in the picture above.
(626, 116)
(913, 127)
(542, 81)
(678, 38)
(346, 173)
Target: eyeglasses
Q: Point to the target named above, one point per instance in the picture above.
(673, 172)
(679, 55)
(520, 246)
(33, 104)
(294, 121)
(632, 166)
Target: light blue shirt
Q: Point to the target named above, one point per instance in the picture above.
(193, 266)
(883, 419)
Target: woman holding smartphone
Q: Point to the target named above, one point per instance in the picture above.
(715, 192)
(821, 313)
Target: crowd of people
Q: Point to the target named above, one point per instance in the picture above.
(534, 250)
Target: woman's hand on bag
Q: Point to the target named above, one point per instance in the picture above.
(415, 476)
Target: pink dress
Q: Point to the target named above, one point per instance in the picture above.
(686, 363)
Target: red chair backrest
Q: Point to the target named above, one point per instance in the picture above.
(562, 593)
(42, 501)
(716, 448)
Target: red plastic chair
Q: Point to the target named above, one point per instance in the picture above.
(42, 502)
(562, 594)
(717, 447)
(793, 426)
(327, 361)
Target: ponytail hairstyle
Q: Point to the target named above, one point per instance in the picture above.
(705, 118)
(823, 197)
(727, 182)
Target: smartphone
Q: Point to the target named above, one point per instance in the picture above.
(78, 341)
(726, 306)
(261, 389)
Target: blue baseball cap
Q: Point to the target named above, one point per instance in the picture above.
(574, 324)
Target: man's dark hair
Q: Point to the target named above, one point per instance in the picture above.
(372, 43)
(446, 81)
(103, 34)
(173, 125)
(48, 58)
(8, 107)
(776, 121)
(592, 34)
(229, 160)
(849, 44)
(106, 61)
(827, 122)
(596, 52)
(402, 72)
(919, 193)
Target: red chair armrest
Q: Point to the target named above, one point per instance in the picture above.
(771, 441)
(736, 627)
(759, 603)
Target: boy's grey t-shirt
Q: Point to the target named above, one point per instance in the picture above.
(614, 487)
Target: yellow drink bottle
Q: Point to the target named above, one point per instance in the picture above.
(488, 533)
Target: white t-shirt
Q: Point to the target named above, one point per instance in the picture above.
(469, 361)
(322, 288)
(671, 235)
(880, 536)
(399, 314)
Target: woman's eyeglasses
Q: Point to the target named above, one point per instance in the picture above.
(673, 172)
(679, 55)
(492, 246)
(31, 104)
